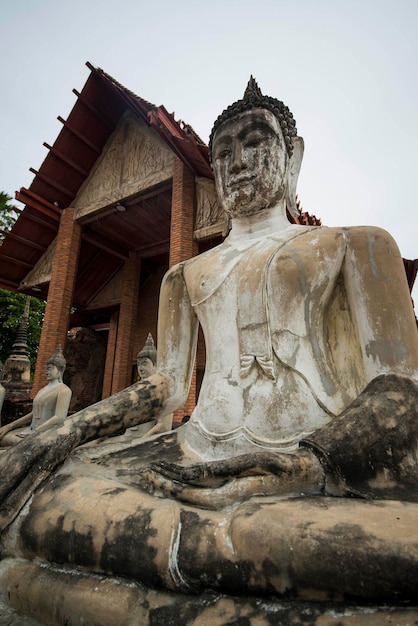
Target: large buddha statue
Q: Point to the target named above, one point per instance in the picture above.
(296, 476)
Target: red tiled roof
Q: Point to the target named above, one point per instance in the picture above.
(92, 120)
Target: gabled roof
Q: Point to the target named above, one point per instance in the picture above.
(95, 115)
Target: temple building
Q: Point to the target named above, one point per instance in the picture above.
(124, 192)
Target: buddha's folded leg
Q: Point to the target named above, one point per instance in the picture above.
(265, 545)
(24, 466)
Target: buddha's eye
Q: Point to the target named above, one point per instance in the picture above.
(223, 154)
(254, 139)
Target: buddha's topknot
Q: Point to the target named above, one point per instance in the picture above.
(58, 359)
(254, 99)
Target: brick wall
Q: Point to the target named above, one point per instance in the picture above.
(110, 354)
(60, 294)
(122, 367)
(182, 244)
(147, 318)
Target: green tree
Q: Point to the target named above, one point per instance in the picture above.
(12, 304)
(8, 215)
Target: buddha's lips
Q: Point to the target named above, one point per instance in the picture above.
(241, 181)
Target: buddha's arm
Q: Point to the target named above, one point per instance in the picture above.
(19, 423)
(177, 337)
(63, 402)
(380, 302)
(27, 464)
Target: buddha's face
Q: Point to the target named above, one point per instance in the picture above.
(250, 163)
(145, 367)
(52, 372)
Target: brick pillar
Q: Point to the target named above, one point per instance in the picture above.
(60, 294)
(182, 244)
(110, 355)
(128, 310)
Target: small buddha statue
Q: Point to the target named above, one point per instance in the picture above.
(146, 361)
(52, 401)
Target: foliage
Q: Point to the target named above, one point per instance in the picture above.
(11, 310)
(7, 213)
(12, 304)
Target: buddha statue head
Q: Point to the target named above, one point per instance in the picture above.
(255, 154)
(147, 358)
(55, 366)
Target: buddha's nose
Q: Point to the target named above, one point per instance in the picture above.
(237, 162)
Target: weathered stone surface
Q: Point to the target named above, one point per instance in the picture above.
(96, 600)
(144, 161)
(51, 402)
(85, 351)
(310, 392)
(16, 380)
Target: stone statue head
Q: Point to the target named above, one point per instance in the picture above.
(146, 359)
(58, 361)
(256, 154)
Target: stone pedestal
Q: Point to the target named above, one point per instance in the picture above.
(75, 598)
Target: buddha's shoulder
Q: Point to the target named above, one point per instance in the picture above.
(63, 388)
(371, 238)
(324, 234)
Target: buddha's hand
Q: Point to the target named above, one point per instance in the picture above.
(242, 476)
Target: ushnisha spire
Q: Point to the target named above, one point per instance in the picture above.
(149, 350)
(253, 98)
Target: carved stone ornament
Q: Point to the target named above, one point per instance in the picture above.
(133, 160)
(210, 216)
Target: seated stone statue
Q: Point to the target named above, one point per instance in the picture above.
(309, 393)
(53, 400)
(146, 361)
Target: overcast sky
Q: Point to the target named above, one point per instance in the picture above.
(347, 69)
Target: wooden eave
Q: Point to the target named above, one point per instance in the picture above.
(68, 163)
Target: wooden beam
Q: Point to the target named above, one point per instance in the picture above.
(100, 288)
(14, 261)
(34, 196)
(39, 204)
(104, 244)
(26, 242)
(133, 201)
(93, 110)
(158, 190)
(99, 327)
(5, 283)
(85, 269)
(43, 223)
(80, 136)
(154, 249)
(53, 183)
(63, 157)
(97, 215)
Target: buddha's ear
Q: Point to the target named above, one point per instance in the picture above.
(293, 170)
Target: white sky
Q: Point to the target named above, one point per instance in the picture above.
(347, 69)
